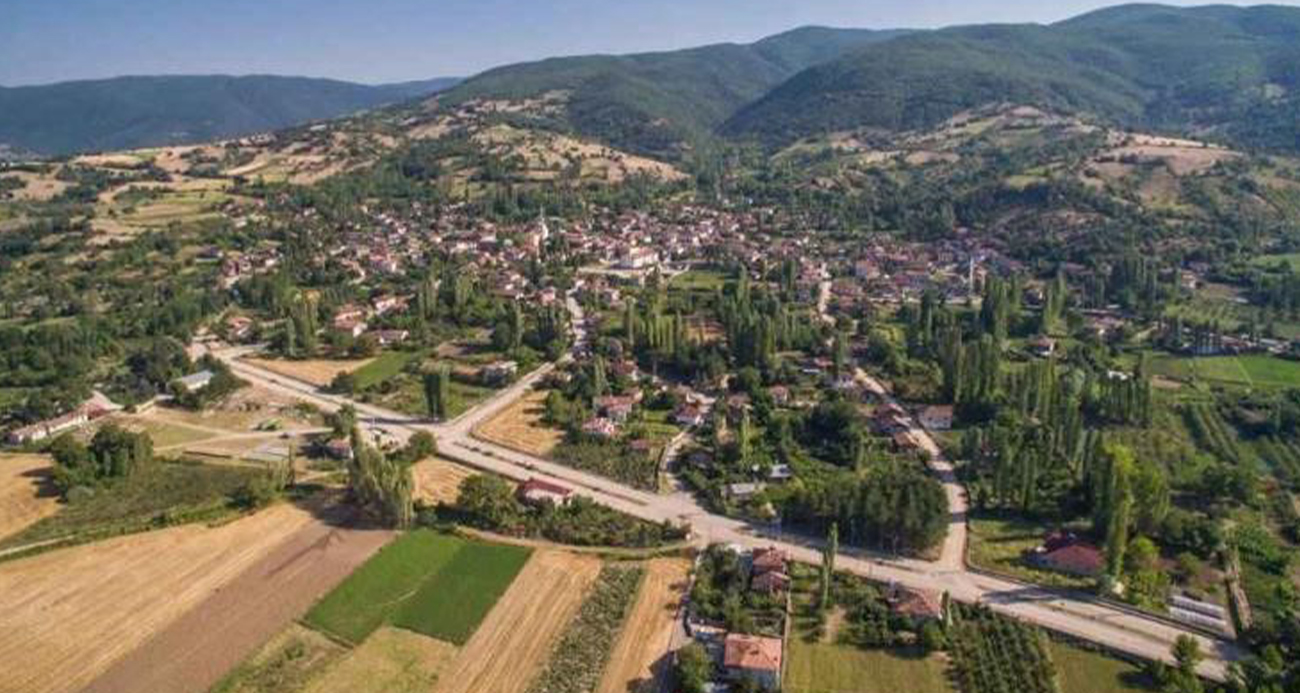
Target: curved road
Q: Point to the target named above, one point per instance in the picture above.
(1114, 627)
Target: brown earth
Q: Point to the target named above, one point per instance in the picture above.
(438, 480)
(25, 492)
(513, 643)
(318, 372)
(520, 427)
(300, 556)
(640, 660)
(66, 616)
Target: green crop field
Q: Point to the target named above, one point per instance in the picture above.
(1258, 370)
(433, 583)
(450, 605)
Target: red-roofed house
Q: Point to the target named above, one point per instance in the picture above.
(538, 491)
(753, 657)
(1074, 559)
(916, 605)
(767, 561)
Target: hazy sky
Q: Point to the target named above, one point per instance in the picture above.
(391, 40)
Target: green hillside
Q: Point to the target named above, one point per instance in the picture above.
(1231, 71)
(653, 102)
(129, 112)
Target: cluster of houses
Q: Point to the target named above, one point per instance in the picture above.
(761, 658)
(739, 656)
(97, 407)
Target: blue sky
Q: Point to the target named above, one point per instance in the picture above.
(391, 40)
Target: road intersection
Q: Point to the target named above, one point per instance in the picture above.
(1075, 614)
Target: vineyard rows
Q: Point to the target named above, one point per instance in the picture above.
(579, 659)
(1213, 433)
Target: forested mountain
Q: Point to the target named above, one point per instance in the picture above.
(1225, 70)
(652, 102)
(129, 112)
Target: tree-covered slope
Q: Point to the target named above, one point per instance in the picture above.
(1225, 69)
(652, 102)
(129, 112)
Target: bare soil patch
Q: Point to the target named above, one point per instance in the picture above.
(438, 480)
(69, 614)
(25, 491)
(640, 661)
(511, 646)
(520, 427)
(392, 660)
(318, 372)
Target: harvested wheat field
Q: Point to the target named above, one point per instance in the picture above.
(391, 660)
(513, 643)
(193, 652)
(639, 661)
(66, 616)
(520, 427)
(24, 495)
(318, 372)
(438, 480)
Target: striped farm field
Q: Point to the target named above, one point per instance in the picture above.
(431, 583)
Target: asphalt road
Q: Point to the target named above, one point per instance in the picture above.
(1100, 622)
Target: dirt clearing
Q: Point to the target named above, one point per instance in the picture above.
(67, 615)
(640, 659)
(520, 427)
(512, 644)
(438, 480)
(194, 651)
(392, 660)
(25, 492)
(318, 372)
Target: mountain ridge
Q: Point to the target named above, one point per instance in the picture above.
(153, 110)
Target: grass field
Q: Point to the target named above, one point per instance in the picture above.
(1082, 671)
(698, 280)
(428, 582)
(391, 660)
(1257, 370)
(452, 604)
(827, 668)
(168, 494)
(385, 366)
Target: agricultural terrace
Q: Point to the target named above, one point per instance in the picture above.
(427, 582)
(1253, 370)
